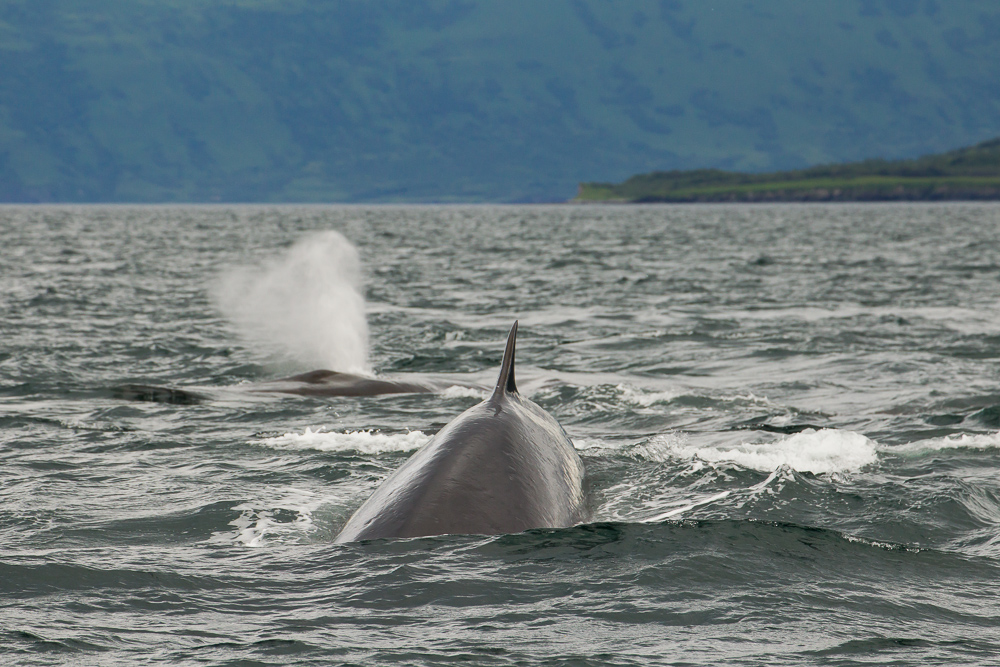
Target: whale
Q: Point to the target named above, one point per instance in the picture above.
(318, 383)
(502, 466)
(334, 383)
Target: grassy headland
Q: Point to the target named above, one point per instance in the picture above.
(966, 173)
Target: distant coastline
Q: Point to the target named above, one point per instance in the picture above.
(971, 173)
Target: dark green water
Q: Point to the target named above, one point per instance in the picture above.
(789, 417)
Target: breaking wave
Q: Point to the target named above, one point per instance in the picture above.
(814, 451)
(364, 442)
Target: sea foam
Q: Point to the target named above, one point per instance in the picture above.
(961, 441)
(364, 442)
(259, 518)
(822, 451)
(464, 392)
(643, 398)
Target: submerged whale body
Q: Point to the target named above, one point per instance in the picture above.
(321, 383)
(333, 383)
(502, 466)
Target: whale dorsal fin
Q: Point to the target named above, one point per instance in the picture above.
(505, 383)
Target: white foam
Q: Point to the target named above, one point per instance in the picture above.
(645, 398)
(887, 546)
(963, 441)
(687, 507)
(365, 442)
(749, 398)
(661, 448)
(464, 392)
(306, 307)
(256, 520)
(822, 451)
(595, 445)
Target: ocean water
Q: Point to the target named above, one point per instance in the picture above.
(789, 417)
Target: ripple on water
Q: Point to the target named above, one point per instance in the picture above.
(787, 414)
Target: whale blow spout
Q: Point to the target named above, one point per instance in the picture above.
(502, 466)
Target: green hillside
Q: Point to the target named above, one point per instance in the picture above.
(966, 173)
(465, 100)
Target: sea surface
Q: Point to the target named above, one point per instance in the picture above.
(788, 414)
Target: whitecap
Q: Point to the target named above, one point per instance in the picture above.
(643, 398)
(595, 445)
(464, 392)
(364, 442)
(822, 451)
(961, 441)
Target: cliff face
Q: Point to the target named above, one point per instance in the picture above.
(443, 100)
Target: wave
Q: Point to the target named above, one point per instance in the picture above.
(815, 451)
(363, 442)
(643, 398)
(464, 392)
(287, 516)
(713, 542)
(970, 321)
(959, 441)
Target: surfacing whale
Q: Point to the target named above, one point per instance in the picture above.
(502, 466)
(320, 383)
(333, 383)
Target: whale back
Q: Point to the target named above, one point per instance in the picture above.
(502, 466)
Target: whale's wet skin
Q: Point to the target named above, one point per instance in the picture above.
(788, 417)
(503, 466)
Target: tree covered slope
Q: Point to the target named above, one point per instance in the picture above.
(966, 173)
(455, 100)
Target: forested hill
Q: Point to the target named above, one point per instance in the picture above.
(966, 173)
(455, 100)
